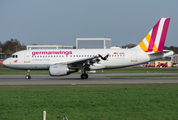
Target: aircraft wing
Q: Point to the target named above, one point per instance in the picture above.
(85, 62)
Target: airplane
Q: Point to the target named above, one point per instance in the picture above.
(61, 62)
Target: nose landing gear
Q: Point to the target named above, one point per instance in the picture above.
(28, 75)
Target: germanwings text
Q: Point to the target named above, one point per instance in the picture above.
(51, 52)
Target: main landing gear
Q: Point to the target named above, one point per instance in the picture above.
(84, 76)
(28, 75)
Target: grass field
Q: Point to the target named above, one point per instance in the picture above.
(122, 102)
(144, 76)
(126, 102)
(7, 71)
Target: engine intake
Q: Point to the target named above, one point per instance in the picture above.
(60, 70)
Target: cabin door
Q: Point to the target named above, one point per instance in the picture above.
(27, 57)
(134, 56)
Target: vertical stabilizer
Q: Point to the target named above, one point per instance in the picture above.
(155, 39)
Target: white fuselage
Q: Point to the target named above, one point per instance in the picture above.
(42, 59)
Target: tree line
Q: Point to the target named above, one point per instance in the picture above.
(11, 46)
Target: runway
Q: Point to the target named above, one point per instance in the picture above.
(94, 79)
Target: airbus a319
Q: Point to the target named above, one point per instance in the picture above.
(63, 62)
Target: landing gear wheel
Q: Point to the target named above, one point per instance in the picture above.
(84, 76)
(28, 77)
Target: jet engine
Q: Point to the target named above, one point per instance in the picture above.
(60, 70)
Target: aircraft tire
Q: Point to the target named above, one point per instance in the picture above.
(28, 77)
(84, 76)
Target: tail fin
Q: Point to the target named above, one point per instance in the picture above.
(155, 39)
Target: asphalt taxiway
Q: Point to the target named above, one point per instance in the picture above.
(94, 79)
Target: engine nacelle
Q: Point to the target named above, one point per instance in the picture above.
(60, 70)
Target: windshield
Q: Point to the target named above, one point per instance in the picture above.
(13, 56)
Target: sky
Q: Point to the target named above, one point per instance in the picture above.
(57, 22)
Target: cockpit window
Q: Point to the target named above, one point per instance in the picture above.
(14, 56)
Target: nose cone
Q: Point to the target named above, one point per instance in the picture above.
(5, 63)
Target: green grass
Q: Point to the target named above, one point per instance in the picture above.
(7, 71)
(141, 70)
(126, 102)
(145, 76)
(24, 72)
